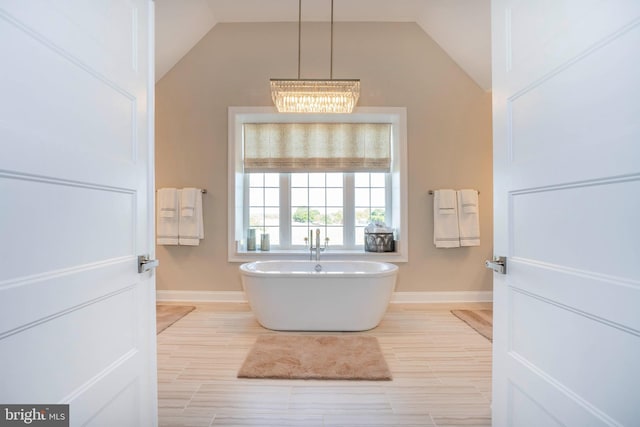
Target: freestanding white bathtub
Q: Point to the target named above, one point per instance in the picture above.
(342, 296)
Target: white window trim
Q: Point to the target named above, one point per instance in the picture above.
(397, 116)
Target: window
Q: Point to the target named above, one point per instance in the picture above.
(370, 202)
(317, 201)
(290, 174)
(340, 204)
(264, 202)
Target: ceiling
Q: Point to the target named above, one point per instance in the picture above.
(461, 27)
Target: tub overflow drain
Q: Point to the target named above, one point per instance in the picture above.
(318, 267)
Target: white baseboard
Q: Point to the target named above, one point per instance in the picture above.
(441, 297)
(201, 296)
(397, 297)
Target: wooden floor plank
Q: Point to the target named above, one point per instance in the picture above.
(441, 374)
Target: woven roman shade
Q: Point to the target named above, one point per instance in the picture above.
(294, 147)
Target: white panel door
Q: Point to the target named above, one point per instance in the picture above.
(77, 320)
(566, 90)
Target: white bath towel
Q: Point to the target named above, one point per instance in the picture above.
(469, 218)
(167, 216)
(192, 227)
(445, 219)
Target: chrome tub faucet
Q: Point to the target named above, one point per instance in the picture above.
(317, 248)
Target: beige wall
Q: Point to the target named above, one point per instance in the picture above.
(449, 135)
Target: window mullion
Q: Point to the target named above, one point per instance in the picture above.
(285, 211)
(388, 199)
(245, 211)
(349, 211)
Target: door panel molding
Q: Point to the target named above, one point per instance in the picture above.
(556, 401)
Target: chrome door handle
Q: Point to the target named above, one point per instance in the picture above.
(499, 264)
(146, 264)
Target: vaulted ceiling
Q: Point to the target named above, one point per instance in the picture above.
(461, 27)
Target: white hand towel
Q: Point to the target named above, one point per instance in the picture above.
(469, 200)
(167, 202)
(469, 221)
(445, 219)
(167, 217)
(188, 201)
(192, 227)
(447, 202)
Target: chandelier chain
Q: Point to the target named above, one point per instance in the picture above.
(299, 32)
(312, 95)
(331, 61)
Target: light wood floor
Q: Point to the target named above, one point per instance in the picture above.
(441, 375)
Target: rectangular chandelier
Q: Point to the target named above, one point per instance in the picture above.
(315, 96)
